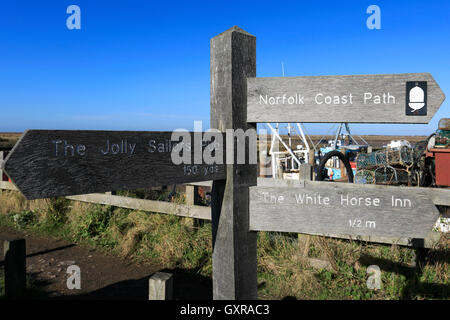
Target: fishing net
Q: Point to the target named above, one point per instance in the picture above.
(403, 156)
(365, 177)
(386, 166)
(382, 175)
(391, 175)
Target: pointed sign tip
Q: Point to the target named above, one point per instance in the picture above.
(234, 29)
(237, 29)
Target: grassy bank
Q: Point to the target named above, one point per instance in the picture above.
(283, 270)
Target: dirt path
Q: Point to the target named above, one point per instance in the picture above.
(103, 276)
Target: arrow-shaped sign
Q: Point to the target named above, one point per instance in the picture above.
(328, 208)
(384, 98)
(50, 163)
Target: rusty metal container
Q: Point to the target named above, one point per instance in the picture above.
(442, 165)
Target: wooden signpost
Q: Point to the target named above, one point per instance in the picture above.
(51, 163)
(233, 59)
(384, 98)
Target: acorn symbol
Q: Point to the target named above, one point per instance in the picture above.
(416, 98)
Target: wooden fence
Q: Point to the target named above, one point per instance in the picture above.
(184, 210)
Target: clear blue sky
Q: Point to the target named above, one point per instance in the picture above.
(144, 65)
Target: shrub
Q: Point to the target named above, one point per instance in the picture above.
(94, 223)
(56, 211)
(23, 219)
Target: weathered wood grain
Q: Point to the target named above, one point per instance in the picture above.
(184, 210)
(341, 209)
(233, 59)
(357, 111)
(430, 241)
(50, 163)
(439, 196)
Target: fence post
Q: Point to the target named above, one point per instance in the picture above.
(160, 286)
(265, 163)
(1, 161)
(3, 155)
(233, 59)
(15, 269)
(192, 198)
(305, 173)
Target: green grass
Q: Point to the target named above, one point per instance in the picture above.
(171, 242)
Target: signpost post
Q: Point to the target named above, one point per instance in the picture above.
(233, 59)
